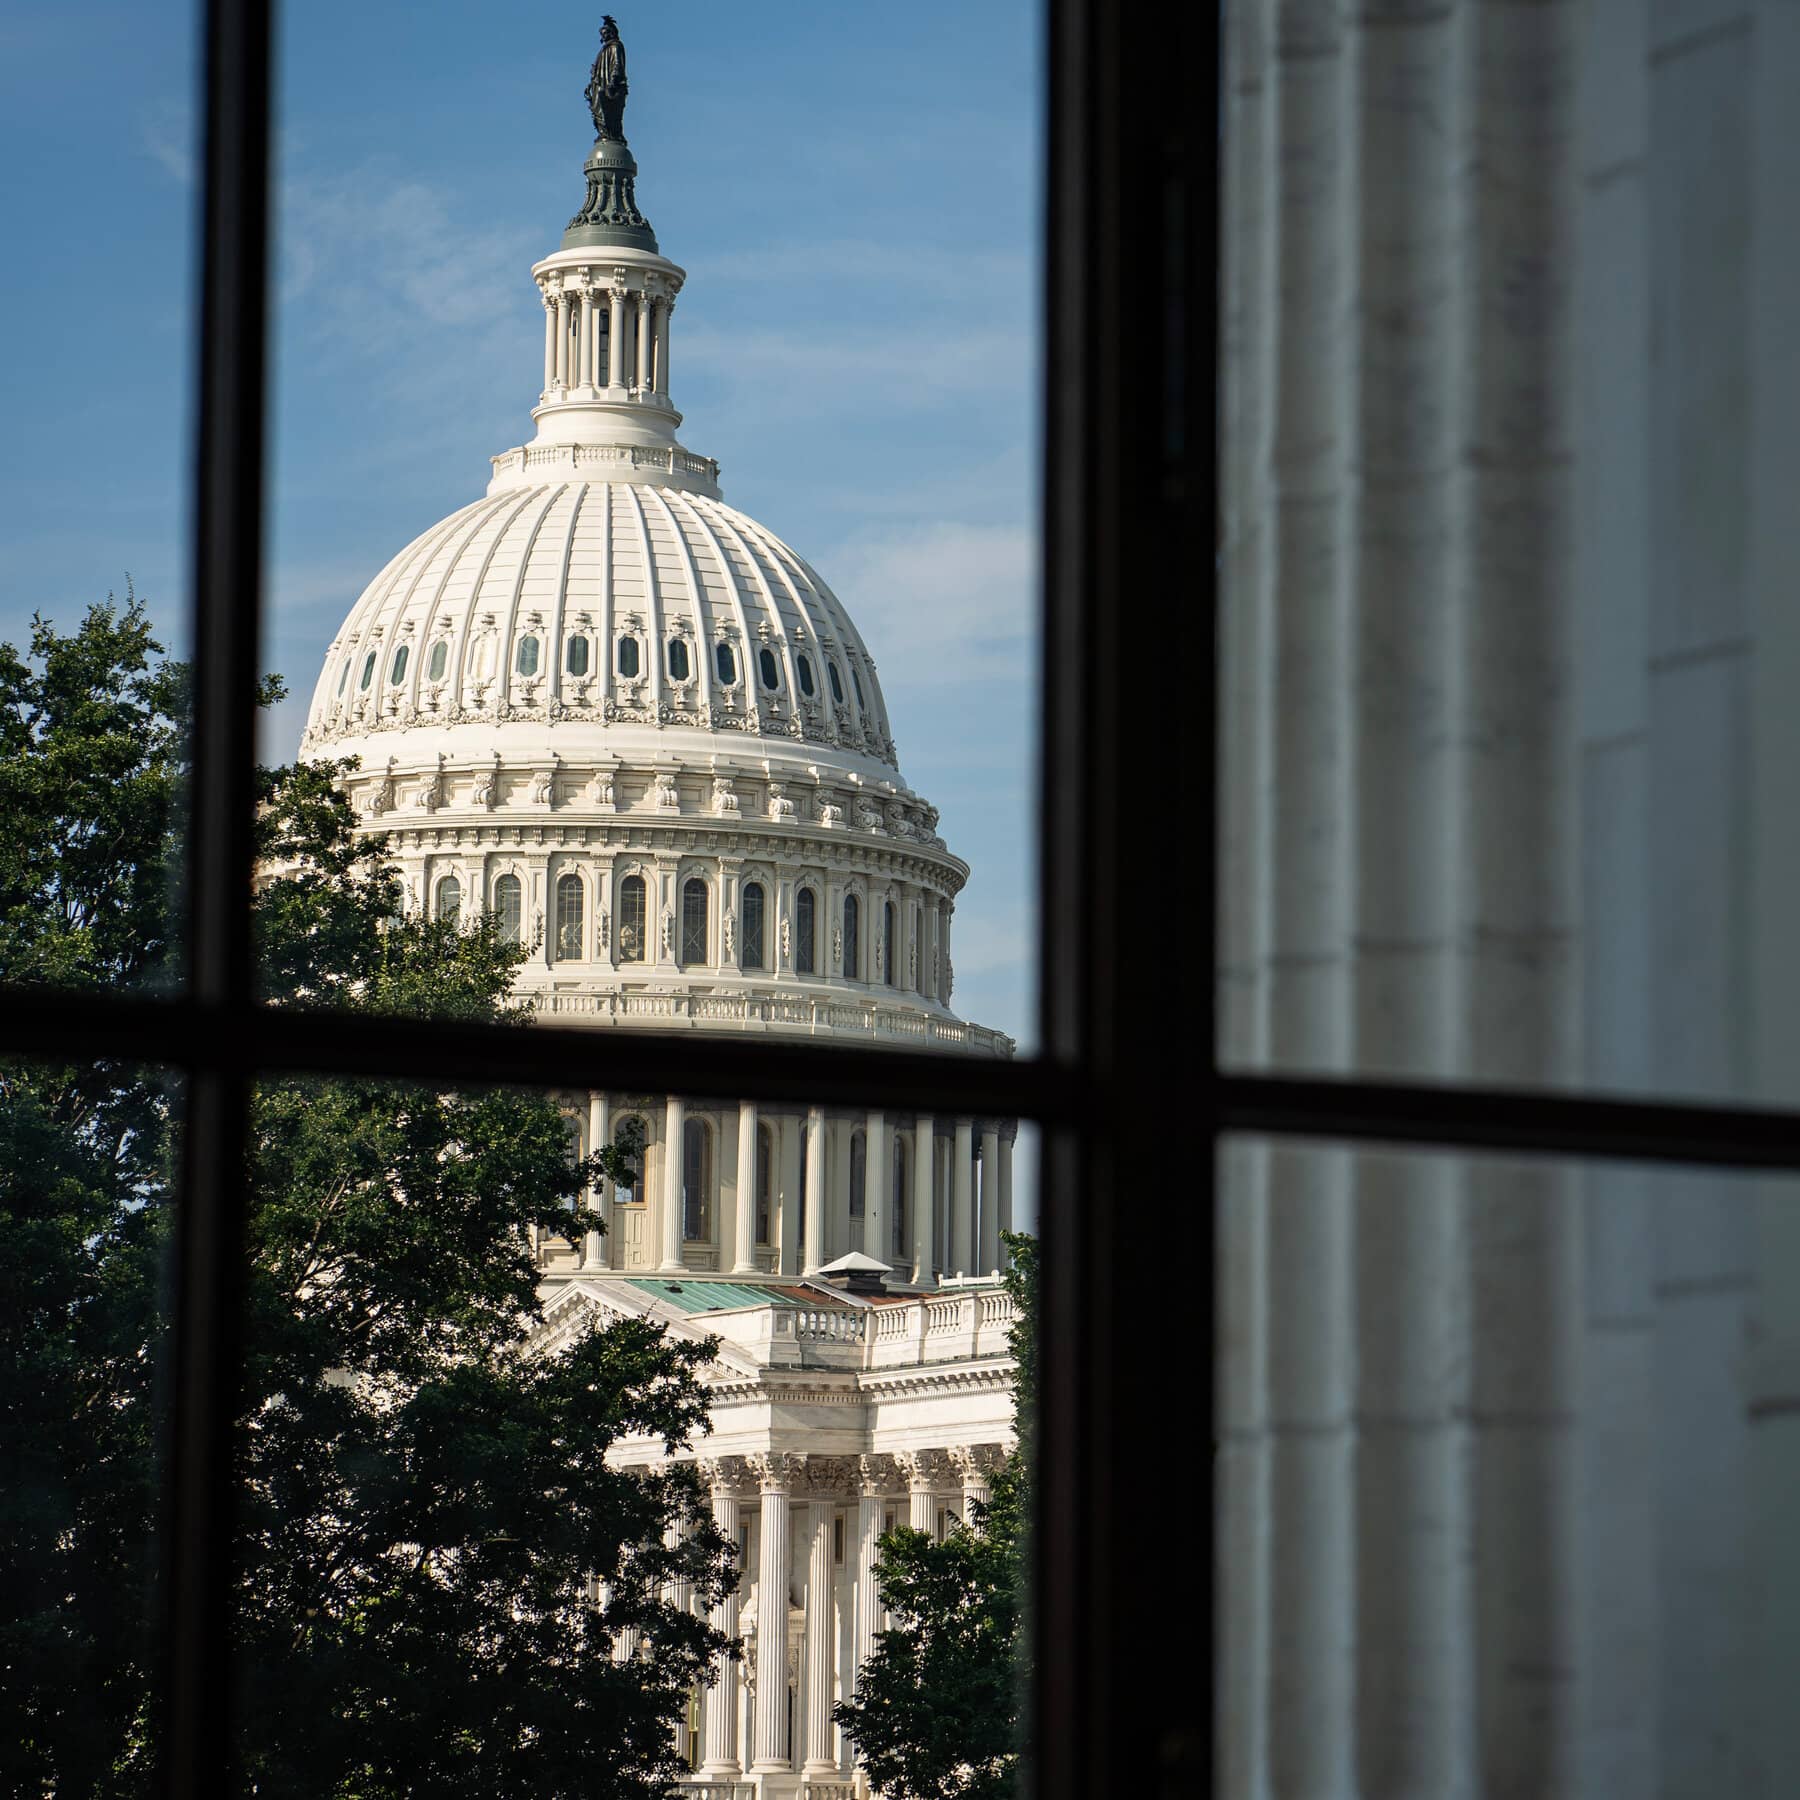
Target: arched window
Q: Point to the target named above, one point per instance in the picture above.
(696, 1181)
(765, 1182)
(837, 686)
(368, 673)
(678, 659)
(918, 968)
(628, 658)
(438, 660)
(887, 942)
(751, 954)
(397, 671)
(852, 938)
(509, 907)
(856, 682)
(449, 900)
(630, 1133)
(577, 656)
(803, 667)
(859, 1175)
(693, 922)
(527, 660)
(897, 1211)
(631, 919)
(771, 669)
(725, 661)
(570, 916)
(805, 931)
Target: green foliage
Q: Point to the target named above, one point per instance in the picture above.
(426, 1513)
(937, 1714)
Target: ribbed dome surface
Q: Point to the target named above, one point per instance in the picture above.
(602, 602)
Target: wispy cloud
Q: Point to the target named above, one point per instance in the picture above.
(166, 135)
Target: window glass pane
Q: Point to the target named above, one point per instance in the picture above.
(397, 673)
(726, 663)
(1510, 658)
(803, 664)
(99, 140)
(693, 922)
(628, 658)
(805, 931)
(509, 903)
(632, 901)
(439, 660)
(678, 660)
(449, 900)
(771, 669)
(571, 943)
(1552, 1404)
(578, 656)
(528, 656)
(837, 686)
(752, 952)
(850, 958)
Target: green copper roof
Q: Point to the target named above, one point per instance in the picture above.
(609, 215)
(712, 1296)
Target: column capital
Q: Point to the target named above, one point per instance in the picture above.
(727, 1477)
(976, 1462)
(879, 1476)
(925, 1470)
(776, 1471)
(829, 1478)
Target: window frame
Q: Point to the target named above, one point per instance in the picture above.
(1128, 491)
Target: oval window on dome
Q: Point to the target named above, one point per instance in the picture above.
(770, 668)
(368, 673)
(343, 679)
(397, 673)
(628, 658)
(527, 660)
(856, 682)
(678, 660)
(803, 664)
(726, 663)
(837, 686)
(578, 656)
(437, 661)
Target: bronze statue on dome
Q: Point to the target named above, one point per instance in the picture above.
(606, 88)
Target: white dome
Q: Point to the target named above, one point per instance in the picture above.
(604, 604)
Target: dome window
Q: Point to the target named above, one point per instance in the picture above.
(577, 658)
(897, 1211)
(437, 662)
(770, 668)
(693, 924)
(806, 909)
(803, 663)
(859, 1175)
(696, 1182)
(679, 669)
(343, 680)
(631, 919)
(571, 913)
(852, 938)
(509, 908)
(726, 663)
(837, 686)
(527, 659)
(856, 682)
(397, 673)
(628, 658)
(887, 943)
(368, 674)
(752, 957)
(449, 900)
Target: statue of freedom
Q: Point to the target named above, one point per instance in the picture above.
(606, 88)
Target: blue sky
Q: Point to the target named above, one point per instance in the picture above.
(854, 192)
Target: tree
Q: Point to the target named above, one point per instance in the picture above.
(937, 1712)
(434, 1558)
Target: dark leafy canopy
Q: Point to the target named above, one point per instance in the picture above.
(427, 1512)
(937, 1714)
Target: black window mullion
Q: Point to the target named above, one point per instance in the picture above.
(226, 621)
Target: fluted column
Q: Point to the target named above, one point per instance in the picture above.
(664, 307)
(924, 1174)
(549, 344)
(990, 1199)
(719, 1757)
(962, 1200)
(562, 340)
(815, 1190)
(975, 1465)
(924, 1471)
(820, 1764)
(876, 1477)
(774, 1476)
(597, 1251)
(744, 1252)
(1006, 1190)
(673, 1148)
(879, 1164)
(584, 330)
(788, 1148)
(615, 331)
(644, 328)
